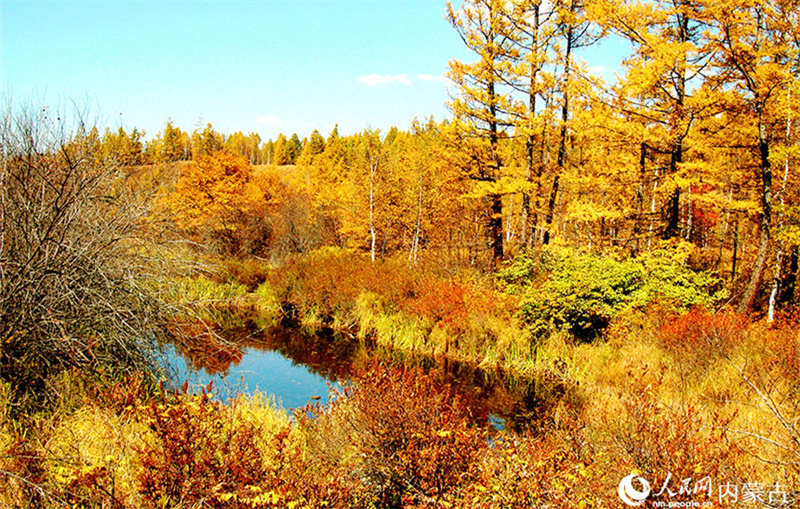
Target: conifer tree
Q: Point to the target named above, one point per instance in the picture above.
(756, 62)
(483, 105)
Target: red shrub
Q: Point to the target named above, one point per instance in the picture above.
(198, 454)
(700, 335)
(417, 441)
(23, 474)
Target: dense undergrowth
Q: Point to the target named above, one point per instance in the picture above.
(659, 386)
(498, 322)
(700, 396)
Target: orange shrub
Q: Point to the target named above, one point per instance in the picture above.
(417, 443)
(524, 471)
(448, 302)
(442, 302)
(328, 282)
(248, 272)
(700, 336)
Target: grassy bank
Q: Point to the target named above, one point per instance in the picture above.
(688, 399)
(720, 403)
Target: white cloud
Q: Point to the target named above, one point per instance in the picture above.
(597, 69)
(270, 120)
(429, 77)
(373, 80)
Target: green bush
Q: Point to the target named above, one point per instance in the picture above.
(583, 292)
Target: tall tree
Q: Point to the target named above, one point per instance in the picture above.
(533, 34)
(172, 149)
(757, 59)
(316, 143)
(670, 52)
(575, 31)
(280, 154)
(294, 148)
(206, 142)
(482, 106)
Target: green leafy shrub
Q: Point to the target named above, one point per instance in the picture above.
(584, 292)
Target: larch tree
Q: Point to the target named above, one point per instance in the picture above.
(482, 107)
(206, 142)
(574, 31)
(280, 154)
(317, 143)
(757, 58)
(172, 141)
(211, 195)
(268, 152)
(294, 148)
(670, 53)
(534, 35)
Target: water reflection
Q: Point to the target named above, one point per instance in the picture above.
(237, 352)
(238, 356)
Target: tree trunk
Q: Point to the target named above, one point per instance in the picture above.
(757, 276)
(735, 250)
(776, 277)
(776, 283)
(495, 220)
(562, 142)
(678, 130)
(372, 170)
(673, 210)
(789, 290)
(412, 255)
(510, 220)
(530, 141)
(495, 227)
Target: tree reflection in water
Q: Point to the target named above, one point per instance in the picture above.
(218, 345)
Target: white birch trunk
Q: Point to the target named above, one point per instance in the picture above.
(776, 279)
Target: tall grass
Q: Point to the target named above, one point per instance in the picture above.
(201, 291)
(395, 306)
(401, 438)
(663, 394)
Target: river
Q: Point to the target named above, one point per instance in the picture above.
(240, 355)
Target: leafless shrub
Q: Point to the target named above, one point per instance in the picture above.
(71, 251)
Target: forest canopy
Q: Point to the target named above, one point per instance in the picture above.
(695, 144)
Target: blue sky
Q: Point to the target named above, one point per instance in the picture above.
(260, 65)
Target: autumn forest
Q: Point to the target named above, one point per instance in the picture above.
(620, 256)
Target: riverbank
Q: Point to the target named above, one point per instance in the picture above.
(691, 398)
(650, 404)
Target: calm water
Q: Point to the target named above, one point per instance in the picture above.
(292, 385)
(281, 362)
(296, 369)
